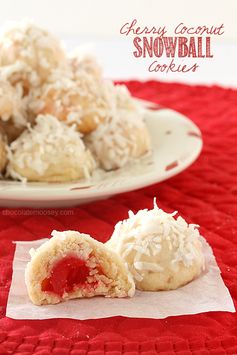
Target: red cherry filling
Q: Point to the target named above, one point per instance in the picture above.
(68, 272)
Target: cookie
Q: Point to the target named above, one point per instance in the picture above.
(50, 151)
(123, 136)
(32, 46)
(162, 253)
(74, 265)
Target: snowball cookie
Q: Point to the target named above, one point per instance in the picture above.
(83, 102)
(124, 99)
(24, 42)
(79, 60)
(162, 253)
(50, 151)
(74, 265)
(122, 138)
(3, 152)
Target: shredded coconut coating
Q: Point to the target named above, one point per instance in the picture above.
(50, 151)
(107, 273)
(124, 99)
(28, 44)
(161, 252)
(21, 76)
(123, 136)
(79, 60)
(83, 101)
(120, 140)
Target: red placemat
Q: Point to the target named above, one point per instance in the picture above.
(206, 194)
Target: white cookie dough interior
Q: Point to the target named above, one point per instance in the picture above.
(74, 265)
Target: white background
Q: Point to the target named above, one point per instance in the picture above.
(104, 17)
(98, 22)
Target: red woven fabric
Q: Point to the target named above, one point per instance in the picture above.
(206, 194)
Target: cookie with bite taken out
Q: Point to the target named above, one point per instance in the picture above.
(74, 265)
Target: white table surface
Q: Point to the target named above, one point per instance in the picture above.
(118, 62)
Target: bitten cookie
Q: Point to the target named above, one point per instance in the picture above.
(162, 253)
(74, 265)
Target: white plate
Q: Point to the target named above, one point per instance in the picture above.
(176, 143)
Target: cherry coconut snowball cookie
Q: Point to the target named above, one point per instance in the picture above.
(161, 252)
(80, 60)
(83, 100)
(123, 136)
(74, 265)
(49, 151)
(37, 49)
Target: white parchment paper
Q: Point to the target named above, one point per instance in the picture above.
(207, 293)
